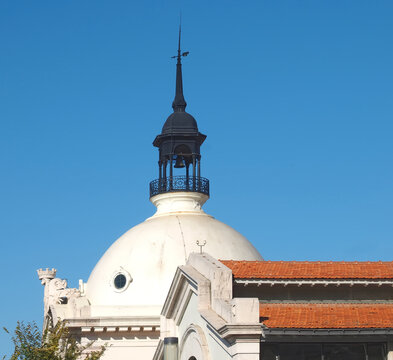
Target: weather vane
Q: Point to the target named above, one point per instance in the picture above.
(201, 245)
(179, 53)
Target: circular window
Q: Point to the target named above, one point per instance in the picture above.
(120, 281)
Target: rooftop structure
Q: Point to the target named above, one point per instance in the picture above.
(120, 303)
(179, 145)
(311, 269)
(265, 310)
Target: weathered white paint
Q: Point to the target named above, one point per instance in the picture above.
(193, 340)
(128, 320)
(123, 346)
(151, 251)
(201, 311)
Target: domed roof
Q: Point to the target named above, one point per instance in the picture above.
(180, 122)
(144, 260)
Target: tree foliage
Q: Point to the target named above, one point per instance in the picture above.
(55, 343)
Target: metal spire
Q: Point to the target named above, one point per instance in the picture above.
(179, 104)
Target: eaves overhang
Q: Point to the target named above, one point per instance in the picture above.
(115, 324)
(314, 282)
(326, 332)
(238, 330)
(179, 134)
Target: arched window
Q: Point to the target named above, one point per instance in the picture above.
(193, 344)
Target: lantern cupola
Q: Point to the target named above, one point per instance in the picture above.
(179, 163)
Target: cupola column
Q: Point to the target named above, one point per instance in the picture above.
(164, 172)
(160, 170)
(171, 172)
(187, 176)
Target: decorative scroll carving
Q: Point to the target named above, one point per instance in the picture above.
(56, 290)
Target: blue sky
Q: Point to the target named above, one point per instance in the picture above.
(295, 97)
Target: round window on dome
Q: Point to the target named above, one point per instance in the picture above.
(120, 281)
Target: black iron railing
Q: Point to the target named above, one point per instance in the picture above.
(179, 183)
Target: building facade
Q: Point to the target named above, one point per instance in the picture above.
(280, 310)
(240, 308)
(120, 304)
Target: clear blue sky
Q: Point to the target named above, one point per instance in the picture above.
(296, 98)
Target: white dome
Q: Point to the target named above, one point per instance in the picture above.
(149, 253)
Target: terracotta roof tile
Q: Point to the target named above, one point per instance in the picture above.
(327, 316)
(310, 269)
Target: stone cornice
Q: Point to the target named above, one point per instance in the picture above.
(229, 331)
(185, 275)
(115, 324)
(326, 332)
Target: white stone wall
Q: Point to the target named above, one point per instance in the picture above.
(124, 346)
(201, 312)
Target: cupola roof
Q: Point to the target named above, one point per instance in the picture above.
(179, 122)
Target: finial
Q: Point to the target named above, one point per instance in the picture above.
(179, 103)
(201, 245)
(46, 275)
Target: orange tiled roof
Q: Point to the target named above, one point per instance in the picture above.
(327, 316)
(310, 269)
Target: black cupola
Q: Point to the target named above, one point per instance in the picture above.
(179, 145)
